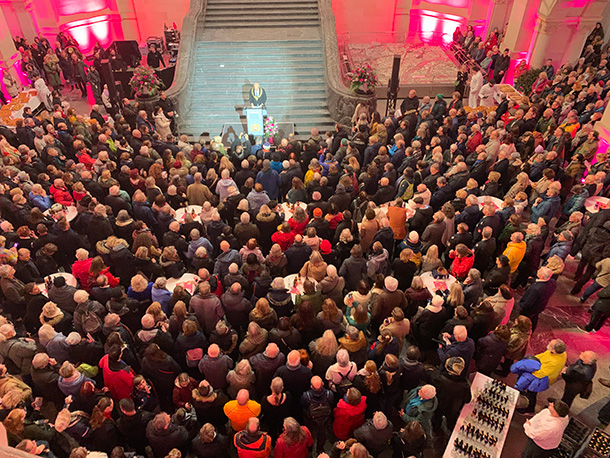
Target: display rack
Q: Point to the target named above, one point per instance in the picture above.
(483, 424)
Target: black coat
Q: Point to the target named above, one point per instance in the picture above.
(420, 220)
(133, 429)
(427, 326)
(297, 255)
(470, 215)
(164, 440)
(488, 355)
(536, 297)
(218, 448)
(452, 392)
(484, 254)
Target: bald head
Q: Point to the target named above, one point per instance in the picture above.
(242, 397)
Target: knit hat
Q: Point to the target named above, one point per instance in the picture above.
(455, 365)
(344, 142)
(50, 310)
(317, 212)
(390, 284)
(266, 146)
(413, 237)
(325, 247)
(177, 164)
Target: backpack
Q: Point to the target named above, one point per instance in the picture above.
(318, 411)
(408, 194)
(193, 356)
(345, 383)
(90, 322)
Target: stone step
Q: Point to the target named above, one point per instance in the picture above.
(268, 8)
(244, 13)
(230, 24)
(238, 65)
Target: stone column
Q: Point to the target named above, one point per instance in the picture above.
(8, 54)
(580, 31)
(44, 18)
(603, 127)
(545, 30)
(129, 20)
(515, 25)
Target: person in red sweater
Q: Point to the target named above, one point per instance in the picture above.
(284, 237)
(60, 193)
(463, 260)
(349, 414)
(80, 268)
(294, 442)
(118, 376)
(183, 390)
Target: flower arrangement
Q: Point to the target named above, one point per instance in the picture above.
(270, 127)
(145, 82)
(363, 78)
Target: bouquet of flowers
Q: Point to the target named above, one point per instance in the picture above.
(145, 82)
(270, 127)
(363, 78)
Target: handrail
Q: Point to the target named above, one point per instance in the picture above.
(347, 62)
(459, 53)
(193, 19)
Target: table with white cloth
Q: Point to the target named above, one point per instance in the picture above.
(296, 288)
(596, 203)
(13, 110)
(187, 281)
(289, 209)
(70, 213)
(434, 284)
(503, 402)
(489, 200)
(193, 210)
(70, 281)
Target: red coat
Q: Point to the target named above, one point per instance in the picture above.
(476, 140)
(183, 395)
(120, 383)
(298, 450)
(92, 279)
(298, 228)
(283, 239)
(461, 265)
(348, 418)
(61, 196)
(84, 158)
(80, 269)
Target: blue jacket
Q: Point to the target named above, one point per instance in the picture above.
(200, 242)
(525, 378)
(44, 203)
(561, 249)
(270, 180)
(547, 208)
(162, 296)
(575, 203)
(224, 260)
(144, 213)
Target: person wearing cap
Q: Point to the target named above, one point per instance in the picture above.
(562, 246)
(319, 223)
(545, 430)
(390, 298)
(452, 392)
(269, 179)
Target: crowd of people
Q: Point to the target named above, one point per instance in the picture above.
(368, 358)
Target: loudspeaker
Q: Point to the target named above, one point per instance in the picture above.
(393, 86)
(128, 52)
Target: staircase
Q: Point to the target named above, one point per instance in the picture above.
(261, 14)
(242, 42)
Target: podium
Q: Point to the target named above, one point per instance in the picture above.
(255, 120)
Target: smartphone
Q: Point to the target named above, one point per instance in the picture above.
(16, 244)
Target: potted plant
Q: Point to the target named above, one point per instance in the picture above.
(271, 129)
(146, 86)
(524, 82)
(363, 79)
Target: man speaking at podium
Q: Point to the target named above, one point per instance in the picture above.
(258, 96)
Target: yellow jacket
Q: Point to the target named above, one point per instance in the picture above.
(239, 415)
(514, 252)
(552, 365)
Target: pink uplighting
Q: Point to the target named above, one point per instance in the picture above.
(88, 31)
(68, 7)
(428, 26)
